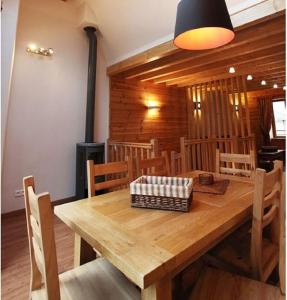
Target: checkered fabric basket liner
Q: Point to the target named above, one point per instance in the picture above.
(169, 193)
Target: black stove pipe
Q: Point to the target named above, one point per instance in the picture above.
(91, 88)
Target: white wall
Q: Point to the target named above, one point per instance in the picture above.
(9, 18)
(48, 101)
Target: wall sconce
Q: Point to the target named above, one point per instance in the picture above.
(152, 109)
(249, 77)
(236, 107)
(197, 105)
(33, 49)
(154, 106)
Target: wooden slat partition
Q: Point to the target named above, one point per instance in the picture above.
(118, 151)
(224, 110)
(189, 162)
(222, 121)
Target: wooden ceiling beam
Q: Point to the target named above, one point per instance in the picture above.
(244, 34)
(246, 51)
(244, 67)
(235, 59)
(220, 74)
(150, 55)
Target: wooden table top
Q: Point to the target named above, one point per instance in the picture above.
(145, 244)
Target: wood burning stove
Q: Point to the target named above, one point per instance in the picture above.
(88, 149)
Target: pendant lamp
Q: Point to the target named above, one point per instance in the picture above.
(202, 24)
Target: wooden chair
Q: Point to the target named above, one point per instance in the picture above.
(219, 285)
(233, 162)
(175, 163)
(256, 255)
(157, 166)
(123, 169)
(95, 280)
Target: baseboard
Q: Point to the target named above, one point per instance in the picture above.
(21, 211)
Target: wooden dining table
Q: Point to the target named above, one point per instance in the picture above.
(151, 246)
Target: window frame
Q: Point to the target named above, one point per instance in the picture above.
(274, 132)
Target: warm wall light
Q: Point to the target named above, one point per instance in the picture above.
(263, 82)
(152, 109)
(236, 107)
(152, 104)
(33, 49)
(231, 70)
(249, 77)
(197, 105)
(275, 86)
(284, 88)
(202, 24)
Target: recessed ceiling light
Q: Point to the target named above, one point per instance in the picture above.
(263, 82)
(249, 77)
(275, 86)
(231, 70)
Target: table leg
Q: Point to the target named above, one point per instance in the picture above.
(162, 290)
(83, 252)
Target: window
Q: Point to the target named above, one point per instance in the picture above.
(279, 121)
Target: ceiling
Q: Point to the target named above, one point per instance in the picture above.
(128, 27)
(258, 49)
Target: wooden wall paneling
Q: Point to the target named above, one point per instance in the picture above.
(130, 120)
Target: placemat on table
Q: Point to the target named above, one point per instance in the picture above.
(219, 186)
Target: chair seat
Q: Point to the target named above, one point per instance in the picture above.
(97, 280)
(236, 255)
(219, 285)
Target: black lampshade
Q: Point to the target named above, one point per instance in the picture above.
(202, 24)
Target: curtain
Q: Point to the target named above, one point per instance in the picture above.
(265, 117)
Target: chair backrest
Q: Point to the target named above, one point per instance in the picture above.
(175, 163)
(157, 166)
(117, 174)
(266, 211)
(235, 164)
(44, 267)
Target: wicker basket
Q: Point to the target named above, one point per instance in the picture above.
(166, 193)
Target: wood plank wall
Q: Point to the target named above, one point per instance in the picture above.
(253, 100)
(223, 111)
(131, 121)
